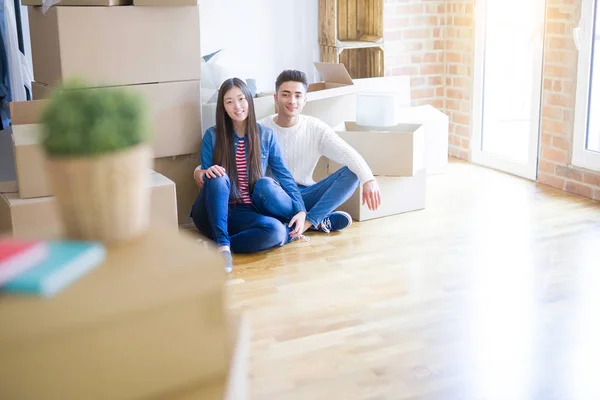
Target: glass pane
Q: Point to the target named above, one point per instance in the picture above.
(593, 133)
(507, 94)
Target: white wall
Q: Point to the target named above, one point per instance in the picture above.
(262, 37)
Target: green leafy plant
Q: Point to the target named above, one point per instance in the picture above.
(81, 121)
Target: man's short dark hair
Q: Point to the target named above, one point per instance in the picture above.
(291, 75)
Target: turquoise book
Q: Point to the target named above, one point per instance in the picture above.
(65, 263)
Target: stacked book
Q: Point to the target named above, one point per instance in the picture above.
(44, 268)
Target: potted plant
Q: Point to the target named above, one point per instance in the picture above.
(99, 160)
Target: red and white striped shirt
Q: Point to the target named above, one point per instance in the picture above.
(242, 170)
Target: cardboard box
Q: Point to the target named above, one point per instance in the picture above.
(30, 162)
(104, 3)
(8, 187)
(40, 218)
(110, 46)
(321, 170)
(174, 109)
(436, 125)
(233, 386)
(394, 151)
(26, 112)
(143, 324)
(180, 170)
(166, 3)
(264, 105)
(29, 157)
(7, 161)
(398, 195)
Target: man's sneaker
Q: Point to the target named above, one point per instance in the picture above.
(336, 221)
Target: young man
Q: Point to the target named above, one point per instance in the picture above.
(303, 140)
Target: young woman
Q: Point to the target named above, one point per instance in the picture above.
(236, 154)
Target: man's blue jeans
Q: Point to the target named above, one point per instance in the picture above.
(239, 226)
(320, 199)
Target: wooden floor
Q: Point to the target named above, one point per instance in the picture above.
(492, 292)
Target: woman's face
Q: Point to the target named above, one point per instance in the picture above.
(236, 104)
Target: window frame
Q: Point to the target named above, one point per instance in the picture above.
(581, 156)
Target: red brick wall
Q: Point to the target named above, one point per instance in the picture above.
(432, 41)
(459, 42)
(558, 104)
(414, 46)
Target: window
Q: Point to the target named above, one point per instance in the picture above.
(586, 139)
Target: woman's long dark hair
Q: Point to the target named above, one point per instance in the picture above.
(224, 151)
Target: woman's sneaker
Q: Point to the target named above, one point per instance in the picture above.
(336, 221)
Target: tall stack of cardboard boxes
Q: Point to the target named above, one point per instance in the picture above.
(152, 48)
(401, 149)
(144, 324)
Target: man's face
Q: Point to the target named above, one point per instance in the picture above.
(291, 98)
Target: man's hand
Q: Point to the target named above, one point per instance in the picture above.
(298, 220)
(371, 195)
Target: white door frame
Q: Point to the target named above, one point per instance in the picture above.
(478, 156)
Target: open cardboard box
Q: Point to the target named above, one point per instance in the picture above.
(389, 151)
(333, 99)
(335, 81)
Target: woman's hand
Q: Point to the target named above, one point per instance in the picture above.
(215, 171)
(199, 177)
(298, 220)
(212, 172)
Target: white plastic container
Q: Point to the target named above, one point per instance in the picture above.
(376, 109)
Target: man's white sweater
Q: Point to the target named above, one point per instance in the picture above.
(310, 138)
